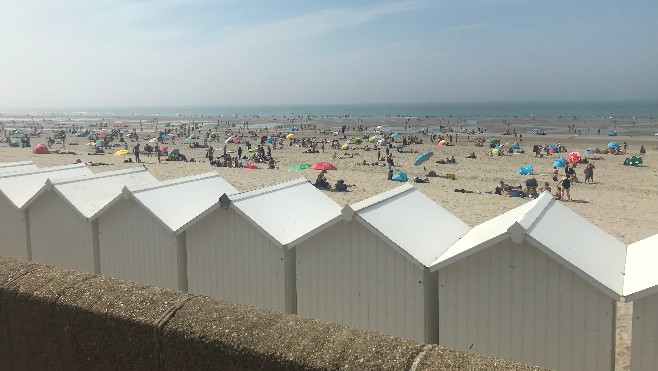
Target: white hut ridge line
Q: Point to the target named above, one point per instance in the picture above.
(599, 258)
(89, 205)
(641, 279)
(21, 194)
(318, 217)
(176, 226)
(426, 244)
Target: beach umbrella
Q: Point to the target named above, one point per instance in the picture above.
(189, 139)
(270, 140)
(613, 145)
(633, 161)
(516, 146)
(121, 152)
(14, 143)
(612, 134)
(560, 162)
(573, 157)
(252, 150)
(300, 166)
(163, 148)
(98, 144)
(395, 135)
(236, 139)
(356, 141)
(323, 166)
(400, 176)
(525, 170)
(40, 149)
(345, 146)
(293, 129)
(589, 151)
(441, 143)
(495, 151)
(290, 136)
(423, 157)
(380, 142)
(229, 140)
(153, 140)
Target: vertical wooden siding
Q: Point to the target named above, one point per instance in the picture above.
(59, 235)
(644, 346)
(12, 230)
(134, 246)
(346, 274)
(513, 301)
(230, 259)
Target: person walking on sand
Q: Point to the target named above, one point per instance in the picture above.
(566, 184)
(642, 151)
(136, 152)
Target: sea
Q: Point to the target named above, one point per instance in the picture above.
(585, 109)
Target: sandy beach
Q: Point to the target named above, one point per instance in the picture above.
(622, 200)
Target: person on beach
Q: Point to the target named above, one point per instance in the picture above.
(211, 152)
(136, 152)
(545, 188)
(531, 185)
(558, 193)
(555, 173)
(589, 172)
(566, 185)
(642, 150)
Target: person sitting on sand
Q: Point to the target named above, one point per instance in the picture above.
(341, 186)
(419, 180)
(472, 155)
(558, 193)
(321, 181)
(545, 188)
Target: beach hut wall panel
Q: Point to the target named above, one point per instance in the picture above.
(17, 189)
(243, 248)
(142, 232)
(641, 286)
(137, 247)
(513, 301)
(372, 272)
(13, 228)
(230, 259)
(513, 289)
(348, 275)
(63, 225)
(59, 236)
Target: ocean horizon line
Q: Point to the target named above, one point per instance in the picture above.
(585, 108)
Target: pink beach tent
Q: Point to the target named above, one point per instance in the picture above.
(40, 149)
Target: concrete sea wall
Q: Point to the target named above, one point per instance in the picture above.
(58, 319)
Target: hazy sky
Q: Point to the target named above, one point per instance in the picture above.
(116, 53)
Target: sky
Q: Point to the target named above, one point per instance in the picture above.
(158, 53)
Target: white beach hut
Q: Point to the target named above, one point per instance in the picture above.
(243, 248)
(641, 287)
(371, 270)
(63, 217)
(8, 167)
(142, 234)
(18, 188)
(538, 284)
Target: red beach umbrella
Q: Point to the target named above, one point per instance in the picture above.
(323, 166)
(573, 157)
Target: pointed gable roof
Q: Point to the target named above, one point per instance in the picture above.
(557, 231)
(288, 212)
(21, 187)
(89, 195)
(641, 278)
(175, 202)
(410, 222)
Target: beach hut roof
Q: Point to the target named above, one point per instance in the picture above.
(557, 231)
(641, 279)
(17, 166)
(410, 222)
(301, 210)
(177, 201)
(20, 187)
(88, 195)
